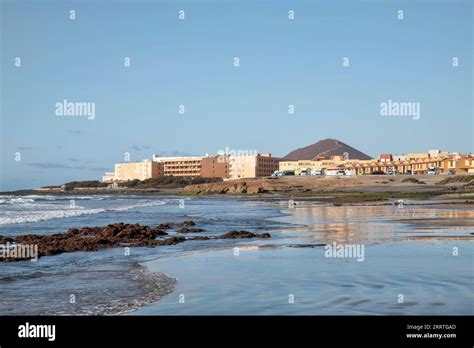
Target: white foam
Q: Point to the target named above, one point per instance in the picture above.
(42, 215)
(31, 213)
(138, 205)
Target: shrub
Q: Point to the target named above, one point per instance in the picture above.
(83, 184)
(454, 179)
(412, 180)
(167, 182)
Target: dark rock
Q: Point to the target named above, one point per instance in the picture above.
(243, 234)
(166, 226)
(263, 235)
(72, 231)
(185, 223)
(170, 225)
(170, 241)
(189, 230)
(5, 240)
(199, 238)
(94, 238)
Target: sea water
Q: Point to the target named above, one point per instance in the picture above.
(417, 260)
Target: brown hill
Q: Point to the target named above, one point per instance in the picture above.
(326, 147)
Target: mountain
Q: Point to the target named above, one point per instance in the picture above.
(326, 147)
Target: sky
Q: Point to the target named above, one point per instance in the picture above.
(190, 62)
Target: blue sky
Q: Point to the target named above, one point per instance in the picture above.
(190, 62)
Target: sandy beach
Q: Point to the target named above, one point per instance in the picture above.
(402, 249)
(408, 252)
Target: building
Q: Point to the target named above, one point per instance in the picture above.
(188, 166)
(194, 166)
(459, 164)
(215, 167)
(412, 163)
(317, 166)
(143, 170)
(333, 170)
(108, 177)
(260, 165)
(416, 156)
(385, 157)
(252, 165)
(399, 158)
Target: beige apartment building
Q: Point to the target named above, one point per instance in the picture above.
(137, 170)
(215, 167)
(252, 165)
(310, 166)
(194, 166)
(415, 163)
(189, 166)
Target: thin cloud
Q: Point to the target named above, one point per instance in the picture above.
(141, 148)
(52, 165)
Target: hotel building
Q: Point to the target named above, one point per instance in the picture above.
(194, 166)
(215, 167)
(135, 170)
(252, 165)
(189, 166)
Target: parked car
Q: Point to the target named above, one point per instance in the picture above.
(288, 173)
(276, 173)
(391, 171)
(317, 171)
(432, 171)
(304, 171)
(341, 172)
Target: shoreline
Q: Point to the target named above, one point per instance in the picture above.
(93, 192)
(296, 245)
(335, 190)
(304, 235)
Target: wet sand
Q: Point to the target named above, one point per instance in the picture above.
(408, 252)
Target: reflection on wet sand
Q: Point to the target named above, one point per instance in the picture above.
(422, 253)
(377, 224)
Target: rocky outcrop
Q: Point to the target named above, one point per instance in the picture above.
(170, 225)
(243, 234)
(185, 223)
(111, 236)
(199, 238)
(247, 186)
(189, 230)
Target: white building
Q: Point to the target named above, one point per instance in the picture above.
(108, 177)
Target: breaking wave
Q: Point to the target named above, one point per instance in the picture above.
(28, 211)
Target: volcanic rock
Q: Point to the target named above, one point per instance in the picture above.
(185, 223)
(189, 230)
(95, 238)
(243, 234)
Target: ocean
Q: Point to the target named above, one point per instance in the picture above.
(415, 260)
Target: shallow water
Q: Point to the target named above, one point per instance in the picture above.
(407, 252)
(107, 281)
(417, 260)
(263, 281)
